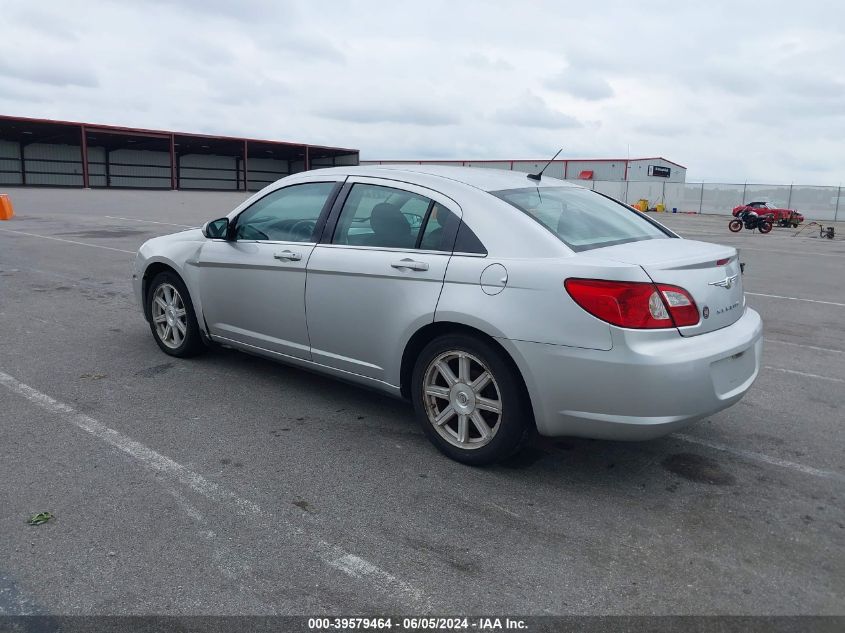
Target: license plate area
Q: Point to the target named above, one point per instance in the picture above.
(732, 372)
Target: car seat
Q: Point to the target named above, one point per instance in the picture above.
(391, 228)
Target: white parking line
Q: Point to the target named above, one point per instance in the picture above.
(505, 510)
(114, 217)
(829, 303)
(150, 458)
(187, 507)
(809, 253)
(760, 457)
(696, 232)
(803, 373)
(59, 239)
(332, 555)
(812, 347)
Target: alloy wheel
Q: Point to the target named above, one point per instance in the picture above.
(169, 315)
(462, 400)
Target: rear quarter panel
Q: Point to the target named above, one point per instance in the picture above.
(534, 305)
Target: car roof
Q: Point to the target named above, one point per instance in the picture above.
(478, 177)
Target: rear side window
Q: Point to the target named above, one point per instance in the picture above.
(440, 229)
(386, 217)
(582, 219)
(468, 242)
(381, 216)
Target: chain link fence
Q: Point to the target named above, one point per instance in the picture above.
(815, 203)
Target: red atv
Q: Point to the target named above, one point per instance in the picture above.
(781, 217)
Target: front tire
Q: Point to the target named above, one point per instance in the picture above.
(735, 226)
(171, 315)
(470, 400)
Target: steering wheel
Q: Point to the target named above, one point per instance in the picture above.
(249, 232)
(303, 229)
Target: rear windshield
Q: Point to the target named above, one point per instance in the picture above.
(581, 218)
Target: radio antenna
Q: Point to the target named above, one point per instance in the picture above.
(539, 174)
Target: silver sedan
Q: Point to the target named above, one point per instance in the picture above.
(497, 303)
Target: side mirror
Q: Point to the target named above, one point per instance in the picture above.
(216, 229)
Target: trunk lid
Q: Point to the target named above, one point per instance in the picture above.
(692, 265)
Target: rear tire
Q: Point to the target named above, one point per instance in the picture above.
(470, 400)
(765, 227)
(171, 316)
(735, 226)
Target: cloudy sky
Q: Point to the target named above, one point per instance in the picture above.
(741, 91)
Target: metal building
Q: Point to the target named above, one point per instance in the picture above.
(600, 169)
(40, 152)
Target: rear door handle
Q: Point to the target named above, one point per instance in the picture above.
(288, 255)
(410, 264)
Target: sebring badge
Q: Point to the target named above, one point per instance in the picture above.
(726, 283)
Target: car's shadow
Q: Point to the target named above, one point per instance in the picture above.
(637, 464)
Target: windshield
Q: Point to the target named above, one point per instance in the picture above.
(582, 219)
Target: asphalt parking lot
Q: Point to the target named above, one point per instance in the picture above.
(231, 485)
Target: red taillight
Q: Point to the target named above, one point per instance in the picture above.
(682, 306)
(634, 304)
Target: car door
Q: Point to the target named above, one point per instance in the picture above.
(252, 285)
(376, 276)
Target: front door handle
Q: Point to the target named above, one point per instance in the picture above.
(288, 255)
(410, 264)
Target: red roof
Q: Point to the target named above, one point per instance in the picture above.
(527, 160)
(138, 130)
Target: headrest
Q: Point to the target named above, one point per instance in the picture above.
(388, 221)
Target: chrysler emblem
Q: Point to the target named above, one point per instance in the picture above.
(726, 283)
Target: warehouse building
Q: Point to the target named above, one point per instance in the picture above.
(39, 152)
(655, 169)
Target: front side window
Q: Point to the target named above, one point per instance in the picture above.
(580, 218)
(285, 215)
(381, 216)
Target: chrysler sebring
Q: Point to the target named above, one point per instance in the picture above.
(494, 301)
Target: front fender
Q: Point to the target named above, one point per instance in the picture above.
(182, 257)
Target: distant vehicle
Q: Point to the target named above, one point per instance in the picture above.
(781, 217)
(751, 220)
(495, 302)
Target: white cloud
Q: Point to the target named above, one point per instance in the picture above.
(758, 96)
(407, 113)
(480, 61)
(532, 111)
(581, 84)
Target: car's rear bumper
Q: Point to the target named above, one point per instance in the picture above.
(648, 385)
